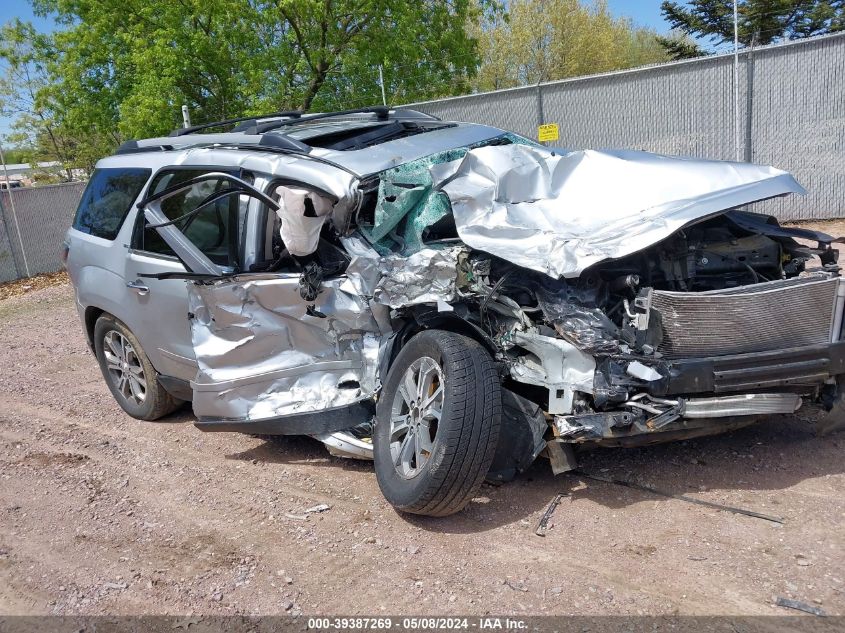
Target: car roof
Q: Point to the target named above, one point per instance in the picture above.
(349, 141)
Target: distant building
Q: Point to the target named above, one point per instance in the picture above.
(22, 174)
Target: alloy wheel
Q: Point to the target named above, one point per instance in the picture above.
(415, 415)
(124, 366)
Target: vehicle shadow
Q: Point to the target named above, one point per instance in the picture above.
(763, 458)
(298, 449)
(181, 415)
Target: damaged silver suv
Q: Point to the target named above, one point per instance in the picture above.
(448, 299)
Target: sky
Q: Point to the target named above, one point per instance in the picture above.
(22, 9)
(642, 12)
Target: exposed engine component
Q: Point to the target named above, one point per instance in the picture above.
(611, 308)
(634, 315)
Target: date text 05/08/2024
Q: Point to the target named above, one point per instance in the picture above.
(417, 623)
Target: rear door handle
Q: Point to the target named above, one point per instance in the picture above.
(139, 286)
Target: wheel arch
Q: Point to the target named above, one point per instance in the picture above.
(92, 313)
(429, 318)
(424, 318)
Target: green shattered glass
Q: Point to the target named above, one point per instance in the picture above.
(408, 205)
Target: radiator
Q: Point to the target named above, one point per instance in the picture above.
(757, 318)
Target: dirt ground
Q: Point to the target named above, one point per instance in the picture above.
(24, 286)
(103, 514)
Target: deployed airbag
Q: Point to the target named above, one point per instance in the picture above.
(303, 214)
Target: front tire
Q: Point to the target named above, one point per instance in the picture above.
(129, 374)
(437, 423)
(833, 420)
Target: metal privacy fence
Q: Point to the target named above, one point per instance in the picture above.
(791, 114)
(34, 241)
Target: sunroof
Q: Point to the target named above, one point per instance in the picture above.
(306, 130)
(354, 135)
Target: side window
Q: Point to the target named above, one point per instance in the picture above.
(214, 230)
(107, 199)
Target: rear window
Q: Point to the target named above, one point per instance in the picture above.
(107, 199)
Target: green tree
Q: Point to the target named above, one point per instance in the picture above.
(759, 21)
(329, 52)
(680, 45)
(543, 40)
(23, 96)
(15, 154)
(122, 68)
(118, 69)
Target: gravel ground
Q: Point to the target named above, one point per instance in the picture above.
(103, 514)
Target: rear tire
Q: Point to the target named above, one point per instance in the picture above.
(129, 374)
(437, 424)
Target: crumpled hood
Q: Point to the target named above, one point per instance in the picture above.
(559, 213)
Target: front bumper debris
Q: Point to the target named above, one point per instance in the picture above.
(646, 415)
(745, 404)
(793, 368)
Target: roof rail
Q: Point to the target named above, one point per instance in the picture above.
(245, 135)
(167, 143)
(181, 131)
(254, 125)
(134, 147)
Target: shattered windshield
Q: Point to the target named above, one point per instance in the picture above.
(406, 211)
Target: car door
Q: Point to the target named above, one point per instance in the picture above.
(160, 309)
(269, 361)
(159, 306)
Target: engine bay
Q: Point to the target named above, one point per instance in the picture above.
(631, 318)
(599, 311)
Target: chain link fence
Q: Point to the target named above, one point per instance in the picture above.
(32, 226)
(791, 114)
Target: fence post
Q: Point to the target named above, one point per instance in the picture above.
(14, 215)
(540, 114)
(749, 103)
(9, 238)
